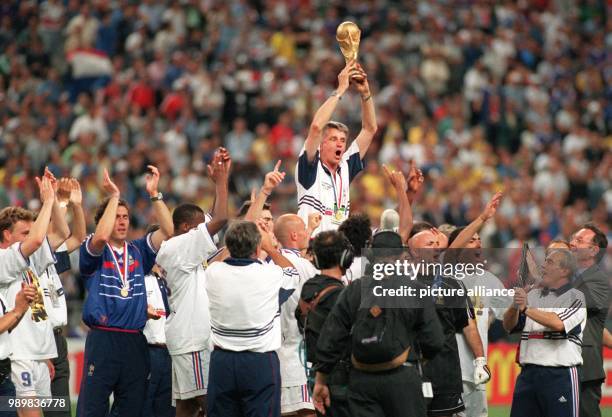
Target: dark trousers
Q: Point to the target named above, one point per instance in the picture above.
(60, 385)
(7, 389)
(244, 384)
(590, 397)
(543, 391)
(395, 393)
(116, 363)
(337, 382)
(159, 393)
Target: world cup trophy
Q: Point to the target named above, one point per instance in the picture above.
(348, 36)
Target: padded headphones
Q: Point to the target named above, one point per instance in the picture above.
(341, 248)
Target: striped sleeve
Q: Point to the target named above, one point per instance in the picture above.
(574, 314)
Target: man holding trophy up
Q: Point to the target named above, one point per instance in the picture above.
(325, 166)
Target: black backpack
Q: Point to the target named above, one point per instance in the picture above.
(373, 338)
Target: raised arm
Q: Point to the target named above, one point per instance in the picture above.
(105, 226)
(71, 188)
(219, 174)
(473, 228)
(415, 182)
(271, 181)
(368, 113)
(162, 214)
(58, 230)
(314, 221)
(398, 181)
(38, 231)
(324, 113)
(268, 245)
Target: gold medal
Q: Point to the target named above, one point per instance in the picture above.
(124, 292)
(338, 215)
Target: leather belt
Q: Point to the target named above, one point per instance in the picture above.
(396, 362)
(158, 345)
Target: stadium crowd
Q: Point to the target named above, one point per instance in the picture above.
(480, 96)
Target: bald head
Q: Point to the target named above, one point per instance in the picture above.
(290, 231)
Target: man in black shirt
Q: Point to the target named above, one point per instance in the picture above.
(454, 312)
(379, 331)
(333, 254)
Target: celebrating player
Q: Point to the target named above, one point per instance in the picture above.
(325, 166)
(116, 306)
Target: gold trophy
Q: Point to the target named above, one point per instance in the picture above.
(348, 36)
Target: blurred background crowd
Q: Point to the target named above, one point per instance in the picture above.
(483, 95)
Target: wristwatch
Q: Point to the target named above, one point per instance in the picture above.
(158, 197)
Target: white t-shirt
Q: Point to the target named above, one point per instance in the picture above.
(244, 297)
(182, 259)
(154, 329)
(5, 341)
(33, 338)
(292, 370)
(320, 191)
(483, 307)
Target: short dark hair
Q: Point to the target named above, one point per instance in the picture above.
(419, 227)
(358, 230)
(185, 213)
(11, 215)
(104, 204)
(328, 247)
(242, 239)
(246, 206)
(599, 239)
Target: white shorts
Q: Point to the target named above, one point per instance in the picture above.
(295, 398)
(475, 400)
(31, 378)
(190, 374)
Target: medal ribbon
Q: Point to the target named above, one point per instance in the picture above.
(339, 197)
(124, 275)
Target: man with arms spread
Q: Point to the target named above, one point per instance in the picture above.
(244, 298)
(325, 166)
(116, 354)
(182, 258)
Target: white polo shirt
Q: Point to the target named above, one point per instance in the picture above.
(154, 330)
(182, 259)
(542, 346)
(245, 297)
(320, 191)
(32, 338)
(292, 370)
